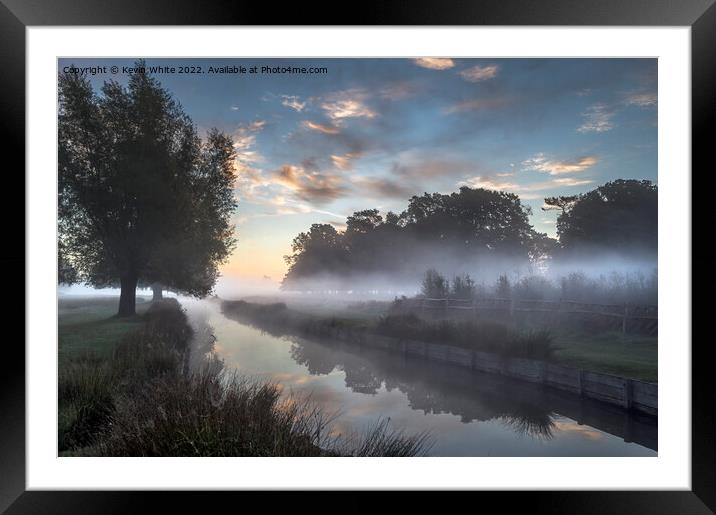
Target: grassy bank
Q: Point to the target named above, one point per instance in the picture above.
(89, 324)
(630, 356)
(614, 353)
(135, 396)
(484, 336)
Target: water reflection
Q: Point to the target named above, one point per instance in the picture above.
(469, 413)
(433, 388)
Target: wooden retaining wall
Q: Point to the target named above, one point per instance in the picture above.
(619, 391)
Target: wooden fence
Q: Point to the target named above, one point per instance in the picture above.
(623, 313)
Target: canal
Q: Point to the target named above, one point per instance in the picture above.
(467, 413)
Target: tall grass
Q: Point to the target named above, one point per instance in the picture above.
(146, 401)
(482, 336)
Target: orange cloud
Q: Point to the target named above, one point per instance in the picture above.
(435, 63)
(325, 129)
(540, 163)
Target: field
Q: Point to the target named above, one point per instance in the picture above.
(89, 324)
(633, 356)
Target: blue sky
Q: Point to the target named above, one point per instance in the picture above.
(370, 133)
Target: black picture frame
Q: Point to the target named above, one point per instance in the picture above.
(16, 15)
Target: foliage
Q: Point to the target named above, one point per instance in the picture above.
(469, 223)
(463, 287)
(434, 286)
(620, 215)
(482, 336)
(144, 401)
(141, 198)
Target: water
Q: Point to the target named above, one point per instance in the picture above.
(468, 414)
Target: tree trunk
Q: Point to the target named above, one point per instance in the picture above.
(157, 292)
(128, 296)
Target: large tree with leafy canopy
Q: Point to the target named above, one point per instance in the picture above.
(619, 216)
(141, 198)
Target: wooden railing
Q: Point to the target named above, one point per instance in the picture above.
(625, 312)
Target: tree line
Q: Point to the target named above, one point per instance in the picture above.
(475, 225)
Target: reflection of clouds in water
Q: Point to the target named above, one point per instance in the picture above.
(469, 414)
(566, 425)
(292, 378)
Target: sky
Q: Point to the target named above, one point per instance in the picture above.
(370, 133)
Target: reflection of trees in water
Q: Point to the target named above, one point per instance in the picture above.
(436, 388)
(360, 377)
(318, 359)
(532, 422)
(323, 359)
(433, 388)
(202, 348)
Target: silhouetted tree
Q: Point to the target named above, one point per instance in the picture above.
(463, 287)
(141, 198)
(318, 251)
(434, 286)
(465, 224)
(620, 216)
(503, 289)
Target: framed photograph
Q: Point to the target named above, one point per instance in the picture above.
(435, 249)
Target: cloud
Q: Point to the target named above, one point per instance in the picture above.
(479, 73)
(234, 108)
(641, 99)
(597, 118)
(325, 129)
(505, 174)
(487, 183)
(246, 156)
(344, 162)
(570, 181)
(541, 163)
(309, 186)
(245, 136)
(347, 104)
(397, 90)
(421, 167)
(339, 226)
(435, 63)
(477, 104)
(384, 187)
(293, 102)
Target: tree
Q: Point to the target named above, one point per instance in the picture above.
(463, 287)
(620, 216)
(435, 286)
(316, 252)
(141, 198)
(460, 227)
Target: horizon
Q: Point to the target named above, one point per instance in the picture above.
(373, 132)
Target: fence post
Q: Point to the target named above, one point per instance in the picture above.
(628, 393)
(624, 318)
(581, 382)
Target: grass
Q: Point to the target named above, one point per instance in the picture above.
(614, 353)
(481, 336)
(485, 336)
(136, 396)
(628, 355)
(90, 325)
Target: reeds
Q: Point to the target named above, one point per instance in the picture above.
(145, 401)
